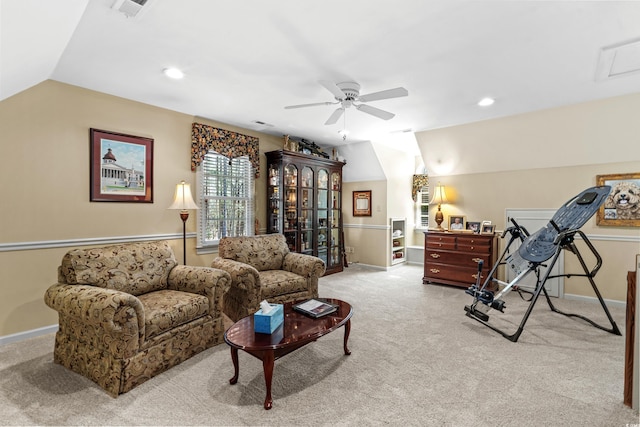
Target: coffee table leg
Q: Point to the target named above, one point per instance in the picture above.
(234, 358)
(267, 365)
(347, 329)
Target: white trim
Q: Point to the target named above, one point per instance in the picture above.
(50, 244)
(609, 302)
(21, 336)
(368, 226)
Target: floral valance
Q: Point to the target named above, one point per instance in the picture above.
(229, 144)
(419, 182)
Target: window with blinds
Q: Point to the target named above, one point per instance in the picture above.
(225, 193)
(422, 208)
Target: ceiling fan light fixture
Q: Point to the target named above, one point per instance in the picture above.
(485, 102)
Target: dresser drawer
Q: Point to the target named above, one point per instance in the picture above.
(480, 249)
(457, 258)
(441, 272)
(441, 245)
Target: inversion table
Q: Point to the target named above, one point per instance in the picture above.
(547, 243)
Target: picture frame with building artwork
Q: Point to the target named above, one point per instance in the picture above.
(121, 167)
(621, 208)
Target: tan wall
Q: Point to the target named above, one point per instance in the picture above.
(44, 168)
(541, 160)
(369, 236)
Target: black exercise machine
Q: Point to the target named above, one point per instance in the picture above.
(547, 243)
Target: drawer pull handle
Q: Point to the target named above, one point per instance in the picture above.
(435, 270)
(475, 276)
(435, 255)
(471, 247)
(476, 260)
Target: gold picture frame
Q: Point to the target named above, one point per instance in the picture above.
(622, 206)
(362, 203)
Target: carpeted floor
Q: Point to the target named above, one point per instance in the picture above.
(416, 360)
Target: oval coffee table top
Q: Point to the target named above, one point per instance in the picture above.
(296, 330)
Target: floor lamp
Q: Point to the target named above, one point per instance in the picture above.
(183, 201)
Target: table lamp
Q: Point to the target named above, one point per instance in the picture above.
(439, 197)
(182, 200)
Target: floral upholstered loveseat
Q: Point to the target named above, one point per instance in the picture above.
(129, 312)
(262, 267)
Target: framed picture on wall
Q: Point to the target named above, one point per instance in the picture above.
(362, 203)
(121, 167)
(622, 205)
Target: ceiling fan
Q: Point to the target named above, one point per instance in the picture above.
(347, 94)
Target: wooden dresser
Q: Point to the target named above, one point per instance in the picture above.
(452, 258)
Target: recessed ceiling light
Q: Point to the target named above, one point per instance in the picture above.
(485, 102)
(174, 73)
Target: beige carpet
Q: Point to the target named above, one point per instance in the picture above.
(416, 360)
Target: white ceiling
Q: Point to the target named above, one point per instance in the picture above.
(246, 60)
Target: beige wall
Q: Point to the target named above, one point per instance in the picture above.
(367, 235)
(44, 168)
(541, 160)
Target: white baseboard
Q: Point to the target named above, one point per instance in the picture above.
(21, 336)
(608, 302)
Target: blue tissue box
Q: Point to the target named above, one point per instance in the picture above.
(267, 323)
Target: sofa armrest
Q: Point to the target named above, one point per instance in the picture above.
(119, 314)
(244, 276)
(303, 265)
(210, 282)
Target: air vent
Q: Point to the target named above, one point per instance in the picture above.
(619, 60)
(130, 8)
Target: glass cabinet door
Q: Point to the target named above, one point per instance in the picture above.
(335, 243)
(291, 206)
(305, 217)
(323, 215)
(275, 204)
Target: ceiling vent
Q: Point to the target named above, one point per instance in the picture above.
(619, 60)
(131, 8)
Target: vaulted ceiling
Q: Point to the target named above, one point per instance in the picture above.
(244, 61)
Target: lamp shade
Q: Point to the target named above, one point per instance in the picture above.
(182, 199)
(439, 195)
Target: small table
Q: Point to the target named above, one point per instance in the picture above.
(297, 331)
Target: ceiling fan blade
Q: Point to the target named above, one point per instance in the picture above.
(381, 114)
(315, 104)
(335, 116)
(384, 94)
(333, 88)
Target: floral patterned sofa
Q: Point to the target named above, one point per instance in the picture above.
(261, 267)
(128, 312)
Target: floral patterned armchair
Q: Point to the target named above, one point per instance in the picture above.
(261, 267)
(129, 312)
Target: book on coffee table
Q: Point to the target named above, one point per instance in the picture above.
(315, 308)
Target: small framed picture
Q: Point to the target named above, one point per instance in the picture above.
(488, 229)
(456, 222)
(473, 226)
(362, 203)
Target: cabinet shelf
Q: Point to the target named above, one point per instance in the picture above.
(398, 251)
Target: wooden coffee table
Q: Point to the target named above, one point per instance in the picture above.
(297, 331)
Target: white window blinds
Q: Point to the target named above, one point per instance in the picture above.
(225, 193)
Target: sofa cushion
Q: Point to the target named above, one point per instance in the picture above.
(264, 252)
(135, 268)
(168, 309)
(279, 282)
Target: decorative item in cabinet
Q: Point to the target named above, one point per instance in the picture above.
(306, 204)
(452, 258)
(398, 240)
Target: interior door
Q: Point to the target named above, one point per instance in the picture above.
(533, 220)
